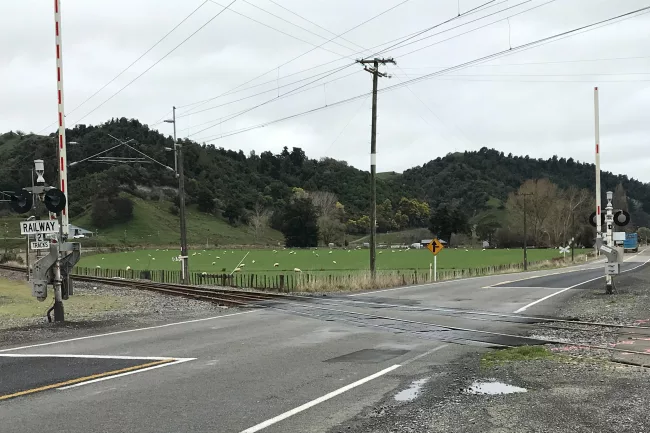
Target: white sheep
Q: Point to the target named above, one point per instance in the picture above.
(317, 255)
(137, 260)
(380, 252)
(98, 267)
(204, 273)
(214, 263)
(242, 265)
(153, 258)
(253, 261)
(128, 268)
(275, 265)
(217, 257)
(466, 249)
(334, 261)
(330, 252)
(237, 269)
(296, 270)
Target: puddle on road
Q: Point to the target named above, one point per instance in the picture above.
(411, 393)
(493, 387)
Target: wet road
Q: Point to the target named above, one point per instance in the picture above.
(303, 367)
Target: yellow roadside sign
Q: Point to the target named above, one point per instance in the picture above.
(435, 247)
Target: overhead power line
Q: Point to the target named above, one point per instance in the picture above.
(131, 65)
(156, 63)
(278, 30)
(469, 31)
(305, 53)
(469, 12)
(503, 53)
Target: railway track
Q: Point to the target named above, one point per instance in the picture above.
(223, 297)
(364, 313)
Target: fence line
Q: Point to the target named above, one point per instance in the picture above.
(294, 281)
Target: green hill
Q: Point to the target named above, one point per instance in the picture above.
(153, 224)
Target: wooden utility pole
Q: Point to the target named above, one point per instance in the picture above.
(525, 232)
(374, 70)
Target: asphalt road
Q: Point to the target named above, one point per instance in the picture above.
(298, 367)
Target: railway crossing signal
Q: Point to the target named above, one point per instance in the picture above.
(56, 267)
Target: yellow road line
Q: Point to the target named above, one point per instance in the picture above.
(83, 379)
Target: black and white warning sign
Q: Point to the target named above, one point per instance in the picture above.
(34, 227)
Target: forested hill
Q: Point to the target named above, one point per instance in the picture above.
(238, 182)
(471, 178)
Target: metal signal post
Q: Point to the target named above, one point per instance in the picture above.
(374, 70)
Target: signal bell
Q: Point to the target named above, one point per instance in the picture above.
(54, 200)
(21, 202)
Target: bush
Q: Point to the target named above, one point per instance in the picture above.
(174, 210)
(10, 256)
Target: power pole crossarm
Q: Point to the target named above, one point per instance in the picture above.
(373, 156)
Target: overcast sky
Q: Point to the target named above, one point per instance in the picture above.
(537, 101)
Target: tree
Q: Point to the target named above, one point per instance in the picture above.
(205, 200)
(330, 229)
(541, 198)
(233, 212)
(122, 209)
(619, 200)
(644, 234)
(102, 213)
(487, 227)
(300, 228)
(446, 221)
(259, 221)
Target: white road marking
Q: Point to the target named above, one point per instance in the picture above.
(134, 358)
(462, 280)
(126, 331)
(292, 412)
(128, 373)
(525, 307)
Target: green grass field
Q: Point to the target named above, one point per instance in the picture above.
(262, 261)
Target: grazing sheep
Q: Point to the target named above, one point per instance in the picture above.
(242, 265)
(204, 273)
(334, 261)
(137, 260)
(253, 261)
(237, 269)
(98, 266)
(275, 265)
(128, 268)
(153, 258)
(217, 257)
(317, 255)
(466, 249)
(296, 270)
(330, 252)
(380, 252)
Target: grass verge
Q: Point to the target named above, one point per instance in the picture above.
(513, 354)
(18, 307)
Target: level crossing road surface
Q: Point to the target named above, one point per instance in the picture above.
(299, 366)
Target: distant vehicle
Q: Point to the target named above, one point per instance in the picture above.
(631, 242)
(78, 237)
